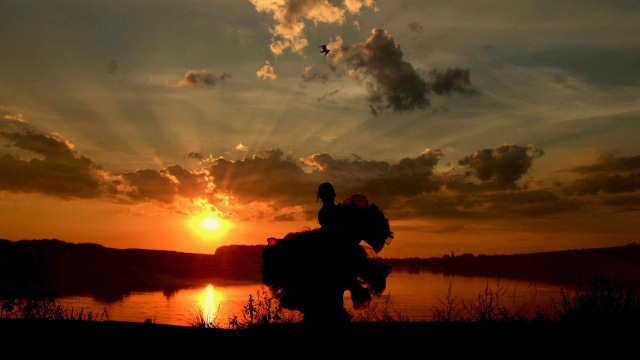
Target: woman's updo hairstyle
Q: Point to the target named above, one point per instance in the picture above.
(325, 190)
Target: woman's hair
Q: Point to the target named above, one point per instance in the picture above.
(325, 190)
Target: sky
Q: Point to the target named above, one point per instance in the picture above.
(493, 127)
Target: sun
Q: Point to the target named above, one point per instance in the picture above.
(209, 227)
(210, 223)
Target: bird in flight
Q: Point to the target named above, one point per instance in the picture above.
(324, 50)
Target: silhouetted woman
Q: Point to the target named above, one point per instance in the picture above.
(313, 282)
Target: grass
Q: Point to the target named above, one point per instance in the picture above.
(594, 298)
(200, 319)
(46, 309)
(263, 309)
(380, 312)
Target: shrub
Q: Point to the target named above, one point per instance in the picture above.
(599, 298)
(263, 309)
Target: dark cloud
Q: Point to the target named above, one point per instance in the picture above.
(396, 84)
(450, 80)
(164, 185)
(610, 184)
(59, 172)
(204, 77)
(533, 203)
(284, 217)
(449, 228)
(112, 67)
(422, 164)
(311, 74)
(621, 200)
(415, 27)
(148, 184)
(273, 177)
(609, 163)
(435, 205)
(379, 179)
(326, 98)
(195, 155)
(504, 165)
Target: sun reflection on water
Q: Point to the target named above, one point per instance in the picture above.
(208, 304)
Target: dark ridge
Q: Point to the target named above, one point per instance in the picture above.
(560, 267)
(36, 268)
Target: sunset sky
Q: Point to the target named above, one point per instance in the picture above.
(476, 126)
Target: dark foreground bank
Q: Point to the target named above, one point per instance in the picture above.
(428, 338)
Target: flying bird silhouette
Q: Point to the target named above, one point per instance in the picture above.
(324, 50)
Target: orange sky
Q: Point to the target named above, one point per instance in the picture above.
(485, 128)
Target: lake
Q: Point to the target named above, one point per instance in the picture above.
(410, 292)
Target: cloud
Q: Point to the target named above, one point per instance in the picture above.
(204, 77)
(266, 72)
(610, 184)
(335, 52)
(607, 162)
(326, 97)
(59, 172)
(290, 16)
(424, 163)
(353, 6)
(396, 84)
(241, 147)
(450, 80)
(622, 200)
(195, 155)
(384, 182)
(449, 228)
(112, 67)
(163, 185)
(308, 75)
(284, 217)
(415, 27)
(532, 203)
(262, 179)
(435, 205)
(278, 187)
(504, 165)
(17, 117)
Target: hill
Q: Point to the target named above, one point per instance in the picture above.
(54, 267)
(555, 267)
(35, 268)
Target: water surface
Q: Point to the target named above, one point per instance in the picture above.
(411, 293)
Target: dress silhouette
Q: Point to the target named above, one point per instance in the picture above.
(310, 270)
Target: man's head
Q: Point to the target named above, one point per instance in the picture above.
(326, 192)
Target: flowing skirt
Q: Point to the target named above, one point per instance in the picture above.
(304, 278)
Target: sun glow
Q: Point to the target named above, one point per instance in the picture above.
(208, 227)
(210, 223)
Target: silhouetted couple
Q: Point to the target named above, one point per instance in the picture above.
(310, 270)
